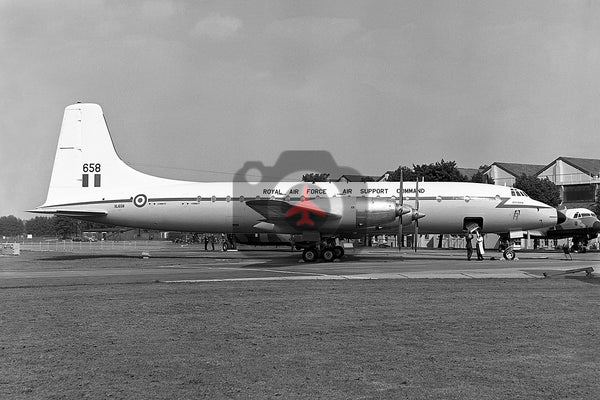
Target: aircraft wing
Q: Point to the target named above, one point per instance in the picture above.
(274, 211)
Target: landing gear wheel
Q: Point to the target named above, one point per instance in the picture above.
(338, 251)
(328, 254)
(225, 246)
(310, 255)
(509, 254)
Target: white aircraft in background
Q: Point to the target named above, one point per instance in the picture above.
(581, 224)
(90, 182)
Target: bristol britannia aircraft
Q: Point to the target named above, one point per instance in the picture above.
(90, 182)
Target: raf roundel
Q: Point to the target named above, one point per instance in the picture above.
(140, 200)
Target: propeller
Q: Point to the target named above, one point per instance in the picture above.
(416, 215)
(401, 211)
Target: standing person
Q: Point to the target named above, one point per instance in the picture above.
(206, 242)
(480, 250)
(468, 238)
(212, 242)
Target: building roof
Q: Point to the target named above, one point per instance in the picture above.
(519, 169)
(590, 166)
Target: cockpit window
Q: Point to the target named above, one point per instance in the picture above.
(517, 193)
(577, 215)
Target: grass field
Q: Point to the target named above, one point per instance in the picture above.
(391, 339)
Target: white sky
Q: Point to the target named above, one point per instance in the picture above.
(201, 86)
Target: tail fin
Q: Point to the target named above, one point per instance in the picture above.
(86, 165)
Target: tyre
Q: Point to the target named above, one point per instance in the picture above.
(328, 254)
(338, 252)
(309, 255)
(509, 254)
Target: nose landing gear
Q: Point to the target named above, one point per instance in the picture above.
(508, 249)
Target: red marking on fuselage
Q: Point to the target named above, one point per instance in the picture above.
(305, 206)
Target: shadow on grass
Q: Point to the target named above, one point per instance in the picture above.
(171, 256)
(295, 259)
(75, 257)
(585, 279)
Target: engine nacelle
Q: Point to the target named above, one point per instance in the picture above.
(375, 211)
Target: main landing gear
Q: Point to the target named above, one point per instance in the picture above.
(327, 250)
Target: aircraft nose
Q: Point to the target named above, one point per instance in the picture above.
(561, 217)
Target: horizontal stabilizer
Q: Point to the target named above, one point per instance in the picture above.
(69, 213)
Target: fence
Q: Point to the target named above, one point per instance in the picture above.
(103, 246)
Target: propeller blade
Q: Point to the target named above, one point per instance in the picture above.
(399, 239)
(416, 236)
(417, 195)
(401, 211)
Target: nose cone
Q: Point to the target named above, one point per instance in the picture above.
(417, 215)
(561, 217)
(402, 210)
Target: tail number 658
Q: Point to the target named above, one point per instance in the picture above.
(91, 167)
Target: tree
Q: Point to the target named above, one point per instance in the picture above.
(479, 177)
(407, 174)
(40, 226)
(539, 189)
(442, 171)
(314, 177)
(65, 227)
(11, 226)
(595, 206)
